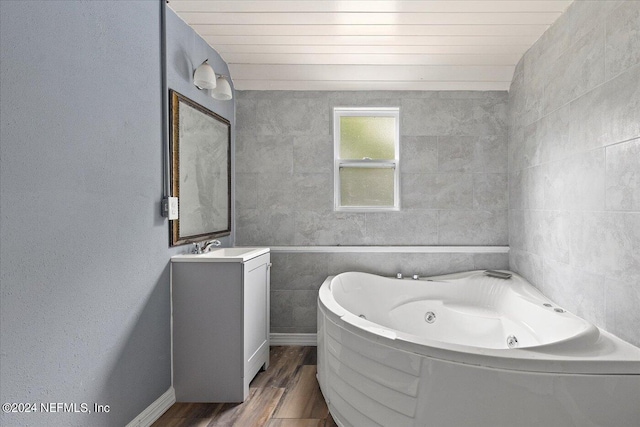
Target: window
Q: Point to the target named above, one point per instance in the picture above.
(366, 168)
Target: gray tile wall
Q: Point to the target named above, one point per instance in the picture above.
(453, 188)
(453, 170)
(574, 164)
(296, 277)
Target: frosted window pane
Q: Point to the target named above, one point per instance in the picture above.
(366, 186)
(372, 137)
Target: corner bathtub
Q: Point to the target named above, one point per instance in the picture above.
(467, 350)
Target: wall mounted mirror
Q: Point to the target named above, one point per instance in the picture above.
(200, 147)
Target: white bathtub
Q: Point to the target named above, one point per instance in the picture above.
(467, 350)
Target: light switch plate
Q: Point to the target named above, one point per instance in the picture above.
(170, 207)
(173, 207)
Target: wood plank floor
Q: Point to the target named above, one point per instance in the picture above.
(285, 395)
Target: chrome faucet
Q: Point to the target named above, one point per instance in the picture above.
(204, 247)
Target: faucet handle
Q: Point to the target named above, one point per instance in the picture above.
(206, 246)
(196, 248)
(399, 276)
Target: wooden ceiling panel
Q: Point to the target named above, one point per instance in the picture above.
(373, 40)
(354, 18)
(379, 6)
(366, 85)
(370, 59)
(370, 44)
(369, 30)
(360, 49)
(374, 72)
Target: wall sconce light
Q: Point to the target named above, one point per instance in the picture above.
(204, 77)
(222, 92)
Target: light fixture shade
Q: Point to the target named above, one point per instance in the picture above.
(222, 92)
(204, 77)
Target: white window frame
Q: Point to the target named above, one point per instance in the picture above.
(394, 163)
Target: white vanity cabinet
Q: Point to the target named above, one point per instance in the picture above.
(220, 323)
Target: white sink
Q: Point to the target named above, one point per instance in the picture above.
(222, 255)
(230, 252)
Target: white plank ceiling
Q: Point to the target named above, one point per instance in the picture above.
(370, 44)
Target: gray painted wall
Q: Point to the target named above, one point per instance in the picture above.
(84, 277)
(574, 164)
(185, 51)
(453, 154)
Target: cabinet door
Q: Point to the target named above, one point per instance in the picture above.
(207, 331)
(256, 304)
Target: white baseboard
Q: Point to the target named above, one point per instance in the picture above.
(293, 339)
(155, 410)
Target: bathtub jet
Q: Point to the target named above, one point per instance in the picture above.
(467, 350)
